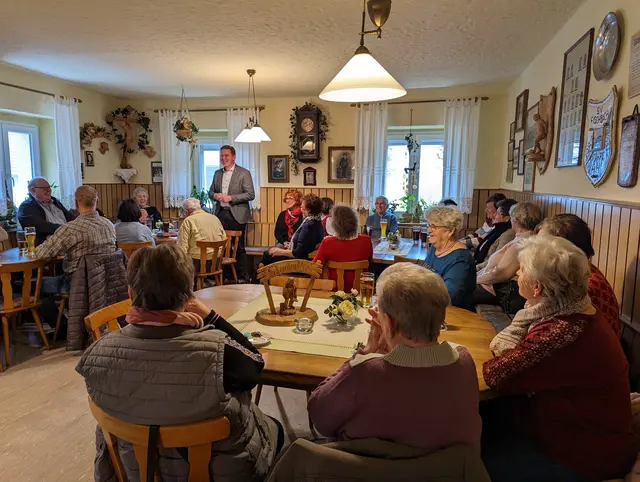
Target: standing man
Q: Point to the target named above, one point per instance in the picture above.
(231, 190)
(42, 211)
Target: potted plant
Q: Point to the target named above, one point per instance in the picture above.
(203, 197)
(186, 130)
(344, 307)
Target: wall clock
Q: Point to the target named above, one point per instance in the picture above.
(307, 133)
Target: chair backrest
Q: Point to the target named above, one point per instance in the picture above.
(106, 316)
(303, 283)
(233, 238)
(402, 259)
(266, 273)
(130, 248)
(341, 267)
(196, 437)
(218, 248)
(27, 269)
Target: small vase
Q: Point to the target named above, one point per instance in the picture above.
(344, 321)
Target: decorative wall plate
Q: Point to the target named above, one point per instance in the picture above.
(606, 46)
(600, 150)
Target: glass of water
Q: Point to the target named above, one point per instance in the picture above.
(304, 325)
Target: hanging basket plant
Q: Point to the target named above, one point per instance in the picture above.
(186, 130)
(323, 128)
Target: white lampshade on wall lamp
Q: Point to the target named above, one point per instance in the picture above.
(363, 79)
(252, 132)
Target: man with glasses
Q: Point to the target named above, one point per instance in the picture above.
(381, 213)
(42, 211)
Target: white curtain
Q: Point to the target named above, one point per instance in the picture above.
(176, 163)
(371, 154)
(247, 155)
(67, 129)
(461, 123)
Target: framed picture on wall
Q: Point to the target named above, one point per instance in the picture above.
(521, 110)
(309, 176)
(516, 160)
(510, 148)
(530, 128)
(278, 168)
(89, 159)
(574, 96)
(509, 177)
(512, 131)
(521, 158)
(529, 176)
(341, 164)
(156, 172)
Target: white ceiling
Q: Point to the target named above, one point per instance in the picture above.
(133, 48)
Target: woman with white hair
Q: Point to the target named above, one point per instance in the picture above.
(574, 414)
(141, 196)
(450, 258)
(433, 386)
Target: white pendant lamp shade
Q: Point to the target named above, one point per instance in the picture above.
(248, 136)
(363, 79)
(259, 133)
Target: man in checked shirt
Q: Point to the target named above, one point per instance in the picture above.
(88, 234)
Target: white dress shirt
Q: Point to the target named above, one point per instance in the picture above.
(226, 180)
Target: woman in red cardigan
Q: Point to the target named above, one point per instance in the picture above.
(346, 245)
(571, 417)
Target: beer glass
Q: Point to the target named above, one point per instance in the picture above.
(416, 235)
(366, 288)
(424, 237)
(30, 236)
(383, 228)
(165, 225)
(22, 243)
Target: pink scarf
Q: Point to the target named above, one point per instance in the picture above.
(138, 316)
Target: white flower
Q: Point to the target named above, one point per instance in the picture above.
(346, 308)
(354, 292)
(341, 294)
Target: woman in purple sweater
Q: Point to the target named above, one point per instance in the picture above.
(404, 386)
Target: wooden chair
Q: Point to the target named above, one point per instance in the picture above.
(402, 259)
(196, 437)
(303, 283)
(357, 266)
(230, 255)
(130, 248)
(64, 299)
(218, 248)
(12, 305)
(106, 316)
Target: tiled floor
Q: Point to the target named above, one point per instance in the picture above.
(47, 431)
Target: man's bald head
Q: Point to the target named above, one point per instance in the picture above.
(86, 199)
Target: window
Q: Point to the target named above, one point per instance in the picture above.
(209, 160)
(429, 165)
(20, 156)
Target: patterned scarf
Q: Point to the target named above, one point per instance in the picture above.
(291, 218)
(530, 315)
(317, 217)
(138, 316)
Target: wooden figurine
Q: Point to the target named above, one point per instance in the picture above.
(290, 297)
(540, 154)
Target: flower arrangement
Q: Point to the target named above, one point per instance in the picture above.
(394, 239)
(186, 130)
(89, 131)
(344, 306)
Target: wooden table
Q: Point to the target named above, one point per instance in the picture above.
(416, 253)
(305, 372)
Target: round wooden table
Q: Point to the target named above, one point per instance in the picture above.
(305, 372)
(13, 256)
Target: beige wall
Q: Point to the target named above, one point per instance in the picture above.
(546, 71)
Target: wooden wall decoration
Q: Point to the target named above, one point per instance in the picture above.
(600, 150)
(542, 147)
(629, 150)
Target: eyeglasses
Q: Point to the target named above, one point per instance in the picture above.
(46, 188)
(434, 226)
(381, 204)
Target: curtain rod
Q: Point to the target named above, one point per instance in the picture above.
(35, 91)
(433, 101)
(221, 109)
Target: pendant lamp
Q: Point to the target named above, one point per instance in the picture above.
(252, 132)
(363, 79)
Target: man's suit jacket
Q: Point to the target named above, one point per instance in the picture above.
(241, 190)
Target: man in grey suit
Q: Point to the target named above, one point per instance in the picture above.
(231, 190)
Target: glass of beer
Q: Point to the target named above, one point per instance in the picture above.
(22, 243)
(416, 235)
(166, 223)
(30, 236)
(424, 237)
(366, 288)
(383, 228)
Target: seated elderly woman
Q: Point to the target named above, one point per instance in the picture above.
(129, 229)
(215, 364)
(569, 376)
(501, 234)
(437, 382)
(346, 244)
(497, 282)
(141, 196)
(450, 258)
(327, 205)
(290, 219)
(307, 236)
(573, 228)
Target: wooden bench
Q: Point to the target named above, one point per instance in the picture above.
(498, 318)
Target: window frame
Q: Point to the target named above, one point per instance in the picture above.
(5, 156)
(203, 144)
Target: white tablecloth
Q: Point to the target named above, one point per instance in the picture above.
(383, 248)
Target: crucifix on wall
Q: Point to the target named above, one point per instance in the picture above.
(126, 124)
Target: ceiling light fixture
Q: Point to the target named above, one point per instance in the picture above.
(363, 79)
(252, 132)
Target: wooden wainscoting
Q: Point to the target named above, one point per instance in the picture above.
(110, 195)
